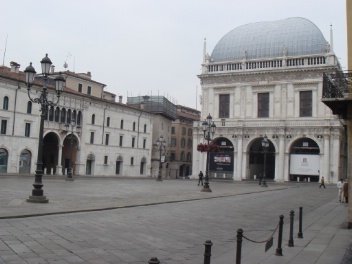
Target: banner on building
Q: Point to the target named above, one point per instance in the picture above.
(221, 161)
(301, 164)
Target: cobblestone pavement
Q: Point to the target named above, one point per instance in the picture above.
(170, 220)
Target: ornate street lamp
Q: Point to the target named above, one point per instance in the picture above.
(37, 193)
(209, 129)
(161, 146)
(265, 146)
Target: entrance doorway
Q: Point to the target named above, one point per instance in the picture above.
(256, 160)
(25, 162)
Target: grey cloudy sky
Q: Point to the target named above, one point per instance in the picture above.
(139, 47)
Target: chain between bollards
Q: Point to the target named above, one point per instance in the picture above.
(300, 234)
(290, 241)
(239, 245)
(207, 252)
(154, 260)
(279, 240)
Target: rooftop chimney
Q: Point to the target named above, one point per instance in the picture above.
(120, 99)
(15, 66)
(52, 68)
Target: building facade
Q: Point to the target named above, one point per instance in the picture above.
(181, 153)
(106, 138)
(266, 78)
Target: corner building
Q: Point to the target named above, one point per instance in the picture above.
(266, 78)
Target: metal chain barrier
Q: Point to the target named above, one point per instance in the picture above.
(264, 241)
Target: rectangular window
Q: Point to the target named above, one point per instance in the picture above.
(3, 126)
(173, 130)
(91, 137)
(107, 139)
(121, 140)
(132, 160)
(263, 104)
(105, 160)
(183, 131)
(305, 103)
(172, 156)
(27, 131)
(89, 91)
(80, 89)
(173, 142)
(144, 143)
(133, 140)
(224, 106)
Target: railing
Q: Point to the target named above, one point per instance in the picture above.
(336, 85)
(266, 64)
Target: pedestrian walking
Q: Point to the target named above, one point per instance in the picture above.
(322, 182)
(200, 175)
(339, 186)
(345, 191)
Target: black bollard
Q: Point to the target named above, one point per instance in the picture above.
(290, 241)
(154, 260)
(207, 252)
(279, 240)
(300, 234)
(239, 245)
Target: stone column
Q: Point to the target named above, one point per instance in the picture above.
(58, 166)
(326, 171)
(281, 173)
(349, 167)
(238, 176)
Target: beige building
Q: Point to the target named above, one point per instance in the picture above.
(181, 144)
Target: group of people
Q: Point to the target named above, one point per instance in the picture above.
(343, 190)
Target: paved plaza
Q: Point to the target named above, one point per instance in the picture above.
(110, 220)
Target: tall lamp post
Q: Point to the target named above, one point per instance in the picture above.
(70, 168)
(37, 193)
(209, 129)
(265, 145)
(161, 146)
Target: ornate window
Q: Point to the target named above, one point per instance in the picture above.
(305, 103)
(224, 106)
(263, 104)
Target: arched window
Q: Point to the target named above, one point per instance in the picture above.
(189, 157)
(29, 107)
(5, 104)
(68, 116)
(79, 117)
(46, 112)
(134, 126)
(121, 126)
(93, 119)
(63, 115)
(57, 114)
(145, 128)
(74, 116)
(182, 156)
(51, 113)
(108, 121)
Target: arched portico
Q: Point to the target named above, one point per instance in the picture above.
(255, 160)
(305, 160)
(50, 152)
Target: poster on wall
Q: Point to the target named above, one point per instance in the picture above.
(221, 161)
(301, 164)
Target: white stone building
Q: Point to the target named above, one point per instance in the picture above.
(266, 79)
(109, 138)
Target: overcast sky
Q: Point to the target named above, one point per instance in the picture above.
(139, 47)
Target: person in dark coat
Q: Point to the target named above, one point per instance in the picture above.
(200, 175)
(322, 182)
